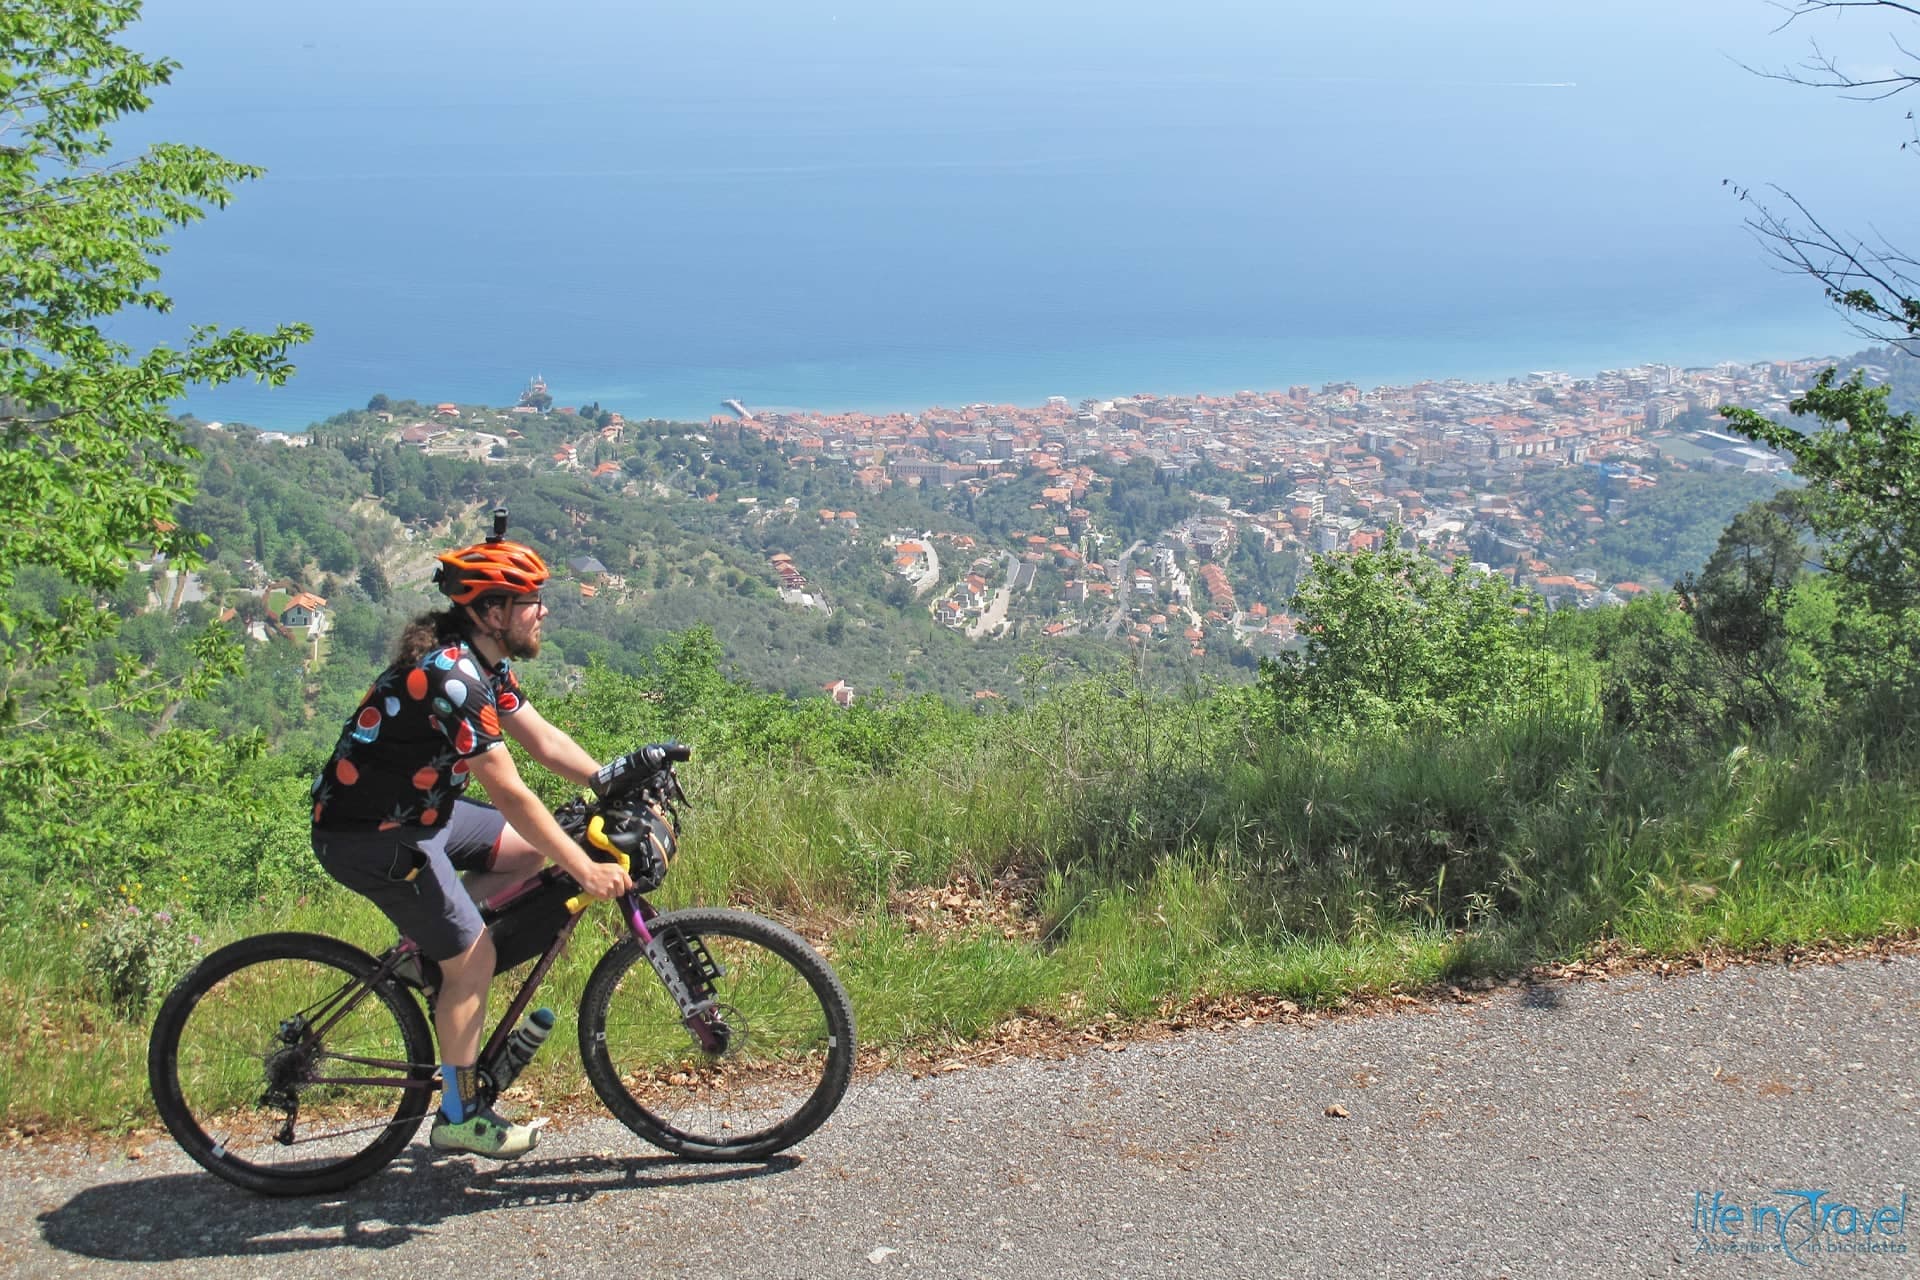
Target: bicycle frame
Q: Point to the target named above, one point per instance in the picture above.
(696, 1009)
(685, 987)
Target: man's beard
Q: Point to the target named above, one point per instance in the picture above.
(523, 644)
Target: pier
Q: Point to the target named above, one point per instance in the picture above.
(740, 409)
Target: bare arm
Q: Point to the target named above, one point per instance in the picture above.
(549, 745)
(525, 814)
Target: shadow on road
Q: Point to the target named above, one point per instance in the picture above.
(198, 1216)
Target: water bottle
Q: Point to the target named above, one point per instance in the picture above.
(521, 1046)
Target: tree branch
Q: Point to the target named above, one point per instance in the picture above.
(1796, 9)
(1875, 283)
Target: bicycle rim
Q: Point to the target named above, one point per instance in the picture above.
(252, 1092)
(787, 1026)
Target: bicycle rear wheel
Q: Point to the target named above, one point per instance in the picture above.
(782, 1023)
(275, 1065)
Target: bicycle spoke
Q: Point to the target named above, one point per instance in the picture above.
(265, 1098)
(784, 1033)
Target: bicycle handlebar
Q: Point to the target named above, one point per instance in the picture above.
(635, 767)
(648, 772)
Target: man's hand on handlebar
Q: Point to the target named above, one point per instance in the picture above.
(602, 879)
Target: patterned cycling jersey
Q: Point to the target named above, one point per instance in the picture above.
(402, 758)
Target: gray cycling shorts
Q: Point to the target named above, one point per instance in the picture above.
(413, 874)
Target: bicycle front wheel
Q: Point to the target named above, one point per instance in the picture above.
(277, 1066)
(765, 1067)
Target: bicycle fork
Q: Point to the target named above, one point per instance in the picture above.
(687, 970)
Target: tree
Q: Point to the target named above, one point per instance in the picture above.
(1741, 602)
(1738, 598)
(1861, 460)
(1862, 502)
(1875, 283)
(93, 466)
(373, 581)
(1396, 641)
(1862, 468)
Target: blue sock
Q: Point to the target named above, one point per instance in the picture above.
(453, 1098)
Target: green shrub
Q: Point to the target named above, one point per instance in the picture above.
(1397, 642)
(134, 956)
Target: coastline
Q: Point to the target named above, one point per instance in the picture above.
(1189, 368)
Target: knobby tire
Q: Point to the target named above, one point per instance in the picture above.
(787, 1059)
(223, 1073)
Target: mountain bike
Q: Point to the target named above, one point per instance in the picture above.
(295, 1064)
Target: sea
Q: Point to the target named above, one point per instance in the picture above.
(849, 204)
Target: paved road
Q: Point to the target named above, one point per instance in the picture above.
(996, 611)
(1578, 1130)
(931, 578)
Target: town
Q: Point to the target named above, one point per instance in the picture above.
(1445, 463)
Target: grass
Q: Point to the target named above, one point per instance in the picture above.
(1158, 871)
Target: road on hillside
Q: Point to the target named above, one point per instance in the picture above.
(1728, 1124)
(996, 611)
(1122, 588)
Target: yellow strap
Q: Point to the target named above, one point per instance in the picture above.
(597, 837)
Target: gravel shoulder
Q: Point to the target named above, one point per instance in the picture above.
(1577, 1129)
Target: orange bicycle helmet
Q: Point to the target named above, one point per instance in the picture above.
(493, 567)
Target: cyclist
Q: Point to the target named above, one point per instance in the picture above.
(389, 821)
